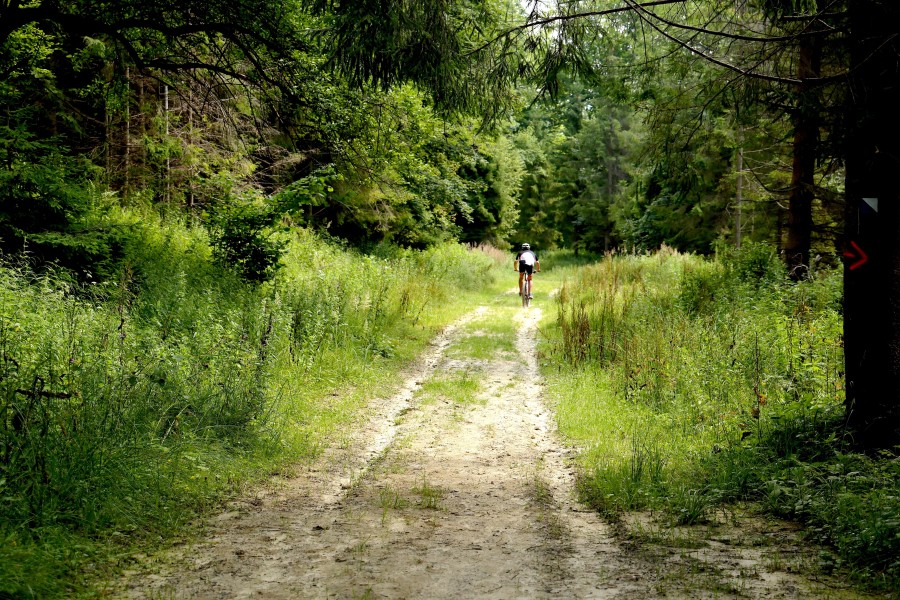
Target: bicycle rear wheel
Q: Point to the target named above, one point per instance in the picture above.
(526, 292)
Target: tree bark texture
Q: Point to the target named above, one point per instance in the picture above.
(872, 263)
(807, 122)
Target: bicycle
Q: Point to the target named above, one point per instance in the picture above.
(526, 291)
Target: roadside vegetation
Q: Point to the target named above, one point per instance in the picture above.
(690, 383)
(132, 405)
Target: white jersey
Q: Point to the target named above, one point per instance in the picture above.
(528, 257)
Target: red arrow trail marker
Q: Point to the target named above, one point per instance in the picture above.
(860, 256)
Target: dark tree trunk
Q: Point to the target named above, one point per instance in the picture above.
(872, 266)
(807, 121)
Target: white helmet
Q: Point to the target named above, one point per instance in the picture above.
(526, 247)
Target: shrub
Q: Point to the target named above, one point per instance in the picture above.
(242, 238)
(755, 263)
(702, 285)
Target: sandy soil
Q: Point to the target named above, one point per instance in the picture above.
(436, 498)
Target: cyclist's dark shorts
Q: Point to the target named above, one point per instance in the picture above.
(525, 267)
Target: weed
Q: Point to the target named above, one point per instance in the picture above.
(645, 529)
(690, 506)
(555, 525)
(540, 491)
(392, 499)
(360, 548)
(542, 496)
(369, 594)
(774, 561)
(429, 496)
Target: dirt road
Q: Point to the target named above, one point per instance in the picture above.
(457, 487)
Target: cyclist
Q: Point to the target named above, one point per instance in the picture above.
(526, 262)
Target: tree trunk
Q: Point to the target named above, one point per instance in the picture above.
(168, 195)
(807, 121)
(739, 196)
(126, 188)
(872, 266)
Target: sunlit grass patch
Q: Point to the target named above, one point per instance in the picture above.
(461, 387)
(630, 452)
(487, 337)
(482, 345)
(499, 321)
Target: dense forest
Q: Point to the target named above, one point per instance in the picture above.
(274, 121)
(191, 192)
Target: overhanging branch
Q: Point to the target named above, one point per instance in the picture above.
(649, 18)
(549, 20)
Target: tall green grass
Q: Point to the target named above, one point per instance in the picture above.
(690, 382)
(127, 406)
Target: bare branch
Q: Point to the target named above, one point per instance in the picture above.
(732, 36)
(529, 24)
(648, 17)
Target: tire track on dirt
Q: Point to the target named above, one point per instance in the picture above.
(431, 498)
